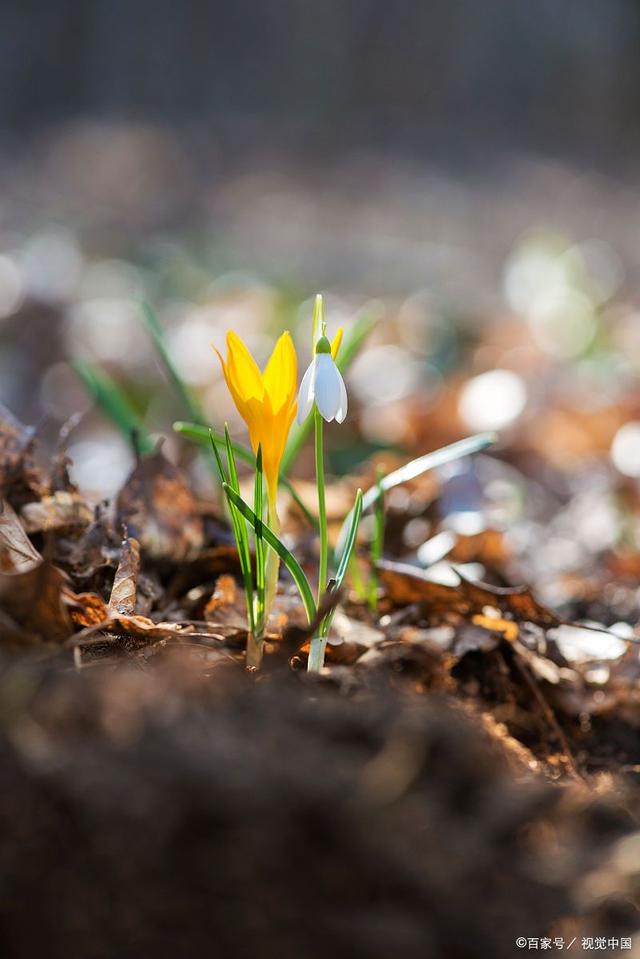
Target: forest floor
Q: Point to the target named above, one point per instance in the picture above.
(463, 775)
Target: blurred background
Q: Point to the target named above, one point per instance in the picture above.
(467, 172)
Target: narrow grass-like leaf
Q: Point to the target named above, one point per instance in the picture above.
(356, 513)
(156, 333)
(357, 580)
(447, 454)
(112, 401)
(355, 337)
(349, 349)
(239, 527)
(285, 555)
(200, 434)
(234, 483)
(152, 325)
(204, 434)
(350, 541)
(218, 459)
(377, 543)
(258, 508)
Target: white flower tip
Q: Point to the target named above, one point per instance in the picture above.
(344, 404)
(306, 393)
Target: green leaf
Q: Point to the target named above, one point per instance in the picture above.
(356, 336)
(203, 435)
(218, 459)
(112, 401)
(350, 542)
(258, 508)
(352, 535)
(156, 333)
(285, 555)
(377, 543)
(422, 464)
(239, 531)
(234, 482)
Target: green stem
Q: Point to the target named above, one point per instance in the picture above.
(255, 646)
(318, 643)
(322, 505)
(254, 657)
(317, 648)
(272, 561)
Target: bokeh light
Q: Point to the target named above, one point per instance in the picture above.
(625, 449)
(492, 400)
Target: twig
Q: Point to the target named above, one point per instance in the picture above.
(548, 714)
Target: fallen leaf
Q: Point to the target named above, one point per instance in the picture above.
(97, 547)
(158, 508)
(62, 511)
(86, 609)
(125, 584)
(487, 547)
(17, 552)
(227, 604)
(404, 585)
(31, 588)
(140, 627)
(20, 480)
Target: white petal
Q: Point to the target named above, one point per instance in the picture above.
(306, 392)
(327, 386)
(342, 409)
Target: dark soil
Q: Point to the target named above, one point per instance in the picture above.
(165, 815)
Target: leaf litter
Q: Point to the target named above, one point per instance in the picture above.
(174, 579)
(152, 582)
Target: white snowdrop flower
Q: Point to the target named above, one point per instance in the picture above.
(323, 385)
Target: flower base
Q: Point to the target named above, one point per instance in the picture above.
(255, 647)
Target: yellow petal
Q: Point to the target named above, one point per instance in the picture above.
(281, 373)
(335, 343)
(274, 443)
(242, 369)
(266, 403)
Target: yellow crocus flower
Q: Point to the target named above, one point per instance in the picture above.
(266, 401)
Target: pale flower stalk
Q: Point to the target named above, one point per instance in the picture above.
(322, 392)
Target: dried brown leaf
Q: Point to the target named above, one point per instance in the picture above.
(86, 609)
(227, 605)
(404, 585)
(17, 552)
(125, 584)
(31, 588)
(140, 627)
(62, 511)
(95, 548)
(20, 480)
(157, 506)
